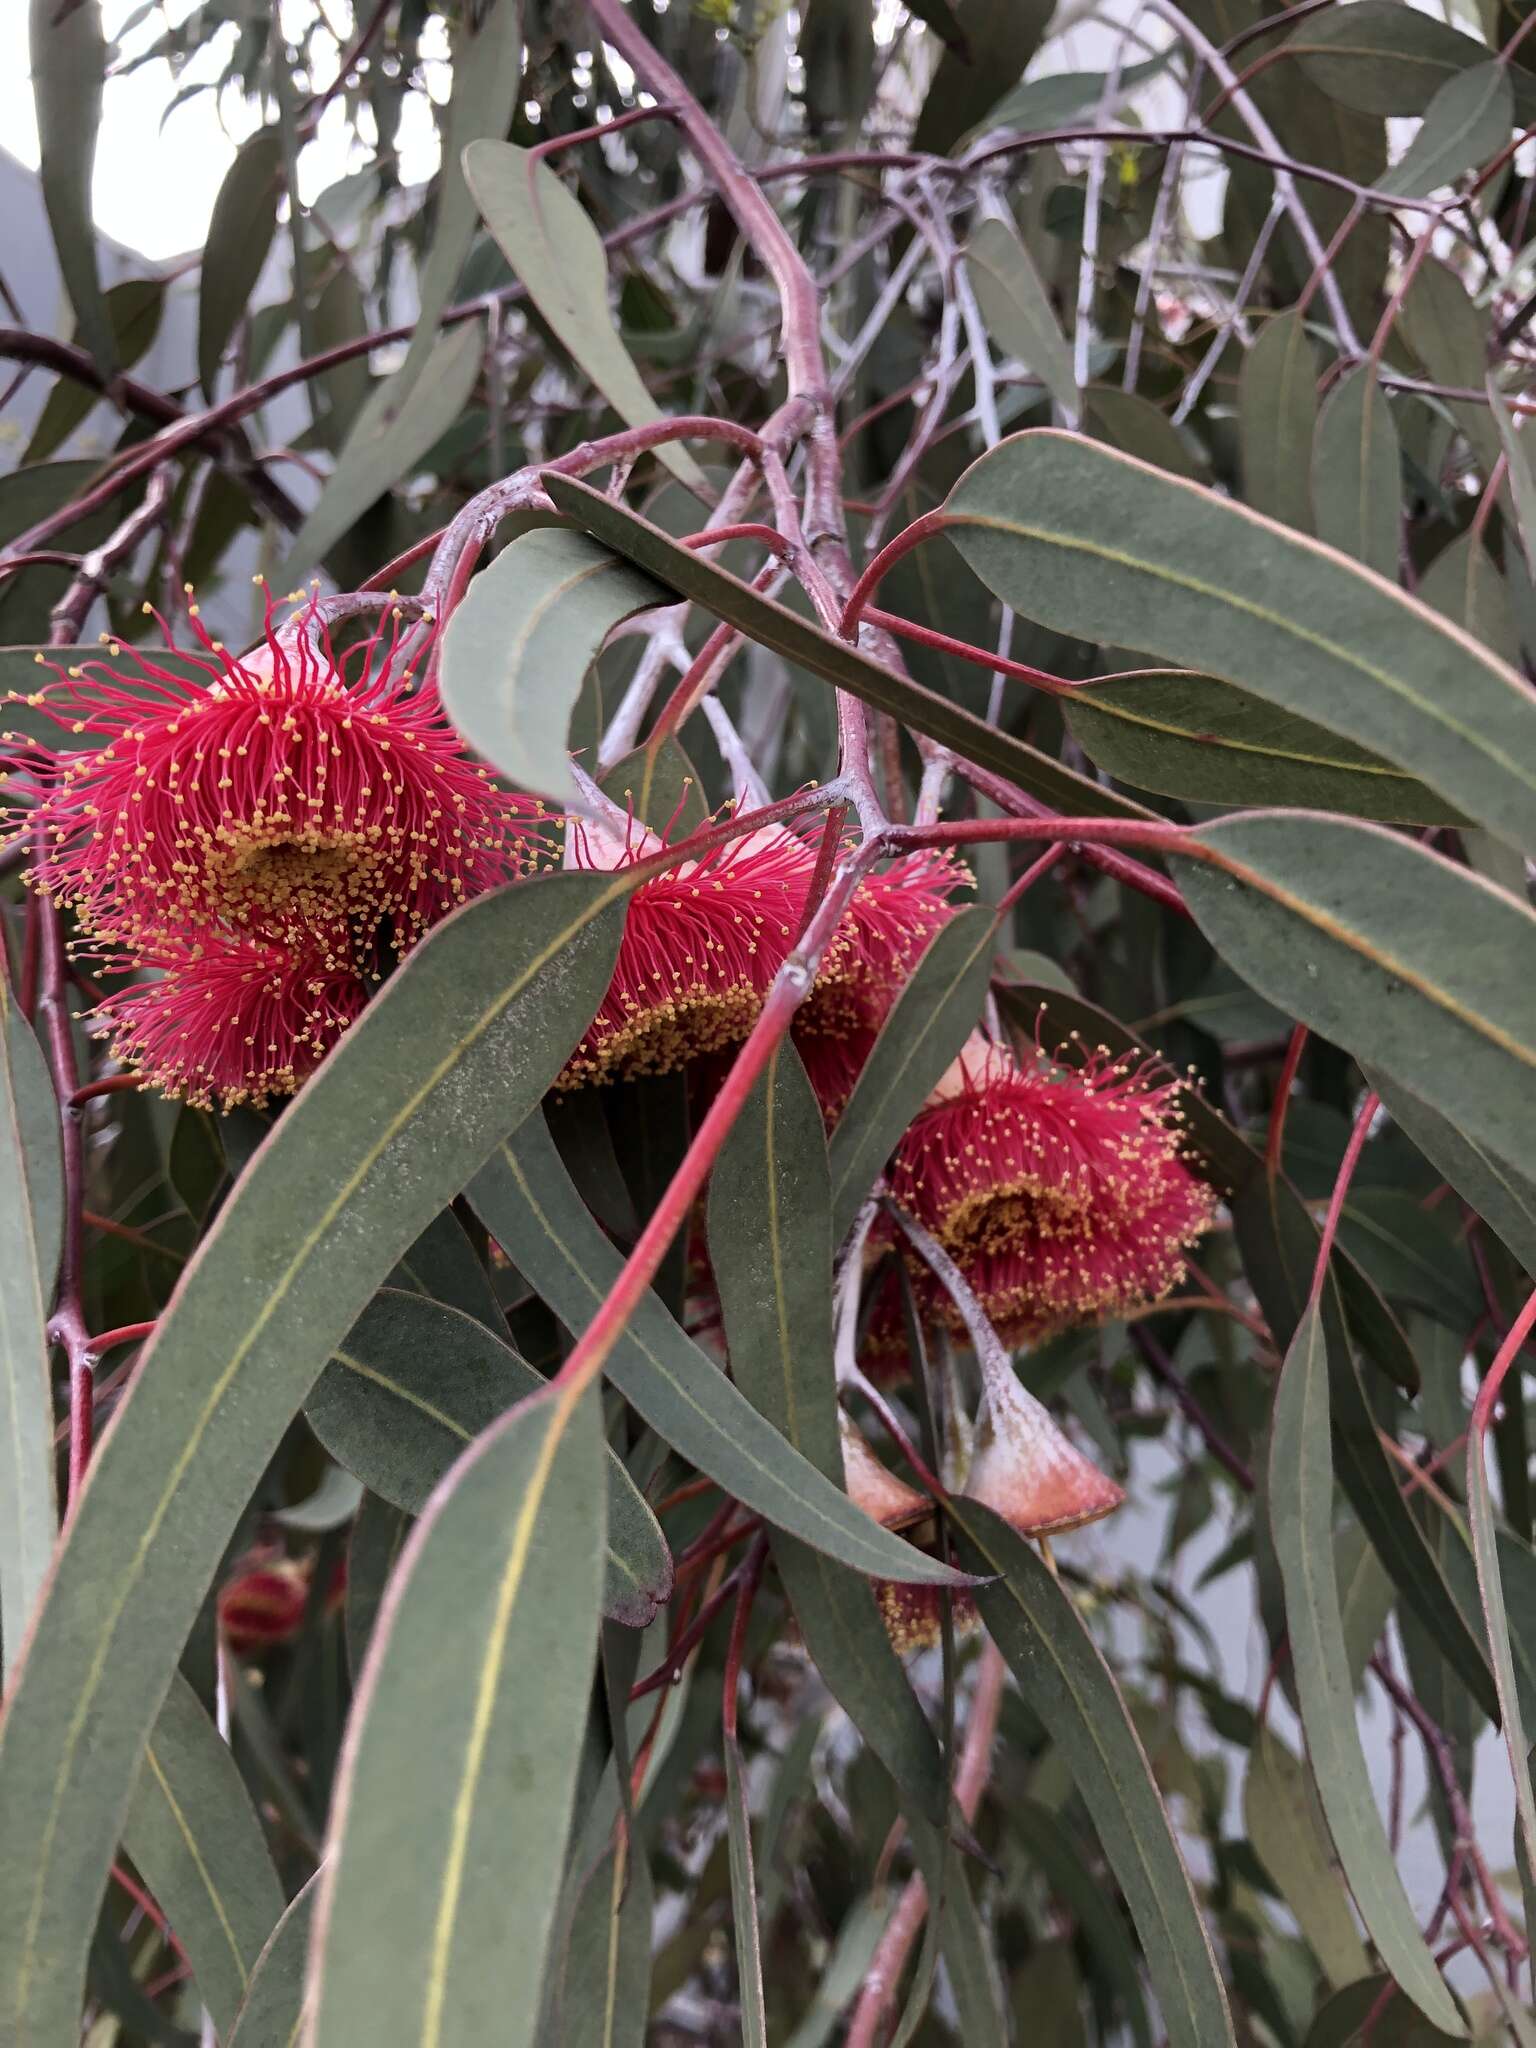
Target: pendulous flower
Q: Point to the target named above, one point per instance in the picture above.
(1060, 1192)
(894, 914)
(291, 788)
(702, 942)
(225, 1019)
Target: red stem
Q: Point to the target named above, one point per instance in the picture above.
(1275, 1143)
(903, 543)
(1346, 1174)
(962, 650)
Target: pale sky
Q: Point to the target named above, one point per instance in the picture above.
(155, 189)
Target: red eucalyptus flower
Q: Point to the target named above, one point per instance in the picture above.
(293, 788)
(893, 915)
(234, 1019)
(263, 1605)
(702, 942)
(1060, 1192)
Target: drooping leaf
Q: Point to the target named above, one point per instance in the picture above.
(1049, 1841)
(1285, 1826)
(775, 626)
(444, 1266)
(770, 1238)
(603, 1997)
(387, 440)
(413, 1382)
(273, 2012)
(554, 249)
(1093, 543)
(488, 1642)
(1449, 335)
(133, 310)
(1278, 1241)
(929, 1022)
(1055, 99)
(29, 1223)
(1522, 480)
(1205, 741)
(1277, 413)
(1018, 311)
(1301, 1514)
(1064, 1678)
(1392, 952)
(1490, 1585)
(744, 1920)
(1000, 38)
(455, 1049)
(69, 66)
(487, 66)
(1463, 583)
(516, 650)
(1504, 1197)
(1382, 58)
(194, 1836)
(1357, 473)
(532, 1210)
(239, 237)
(1466, 122)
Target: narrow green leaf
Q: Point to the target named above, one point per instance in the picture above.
(487, 69)
(1001, 36)
(1301, 1512)
(133, 310)
(516, 650)
(1502, 1196)
(69, 66)
(744, 1922)
(1277, 416)
(378, 1537)
(413, 1382)
(1357, 473)
(1464, 585)
(770, 1244)
(1449, 335)
(970, 1963)
(775, 626)
(1018, 310)
(1466, 122)
(605, 1988)
(456, 1048)
(1285, 1825)
(1389, 950)
(770, 1239)
(1036, 105)
(530, 1207)
(554, 249)
(387, 441)
(486, 1643)
(273, 2013)
(195, 1839)
(1200, 739)
(1490, 1586)
(929, 1022)
(852, 1952)
(1522, 480)
(1048, 1841)
(444, 1266)
(1380, 57)
(29, 1223)
(239, 237)
(1278, 1241)
(1064, 1678)
(1093, 543)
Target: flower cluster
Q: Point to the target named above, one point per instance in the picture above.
(1060, 1191)
(255, 837)
(705, 937)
